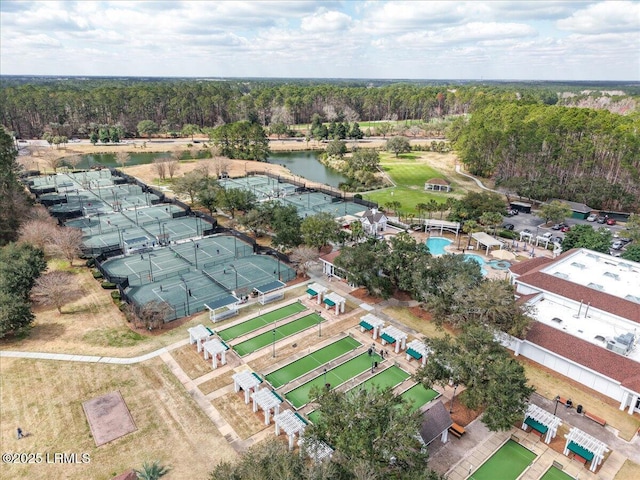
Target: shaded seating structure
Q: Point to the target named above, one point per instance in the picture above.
(270, 292)
(216, 348)
(585, 447)
(418, 350)
(291, 423)
(198, 335)
(316, 450)
(393, 335)
(370, 322)
(316, 290)
(224, 308)
(541, 421)
(267, 400)
(334, 300)
(247, 381)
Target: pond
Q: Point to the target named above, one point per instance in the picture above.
(306, 163)
(109, 159)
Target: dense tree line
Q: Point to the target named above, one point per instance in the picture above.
(82, 106)
(541, 152)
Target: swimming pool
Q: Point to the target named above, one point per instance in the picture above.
(436, 245)
(478, 259)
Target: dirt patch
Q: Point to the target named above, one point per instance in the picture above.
(192, 362)
(216, 383)
(629, 471)
(362, 294)
(462, 415)
(239, 415)
(108, 417)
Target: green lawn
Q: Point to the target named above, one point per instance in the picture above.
(418, 396)
(409, 173)
(388, 378)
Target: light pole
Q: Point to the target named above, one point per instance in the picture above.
(319, 324)
(135, 207)
(195, 252)
(236, 272)
(150, 267)
(164, 233)
(324, 376)
(455, 386)
(557, 399)
(274, 343)
(186, 293)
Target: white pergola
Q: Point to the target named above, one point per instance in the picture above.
(334, 300)
(316, 450)
(418, 350)
(246, 381)
(392, 335)
(486, 241)
(291, 423)
(316, 290)
(266, 400)
(371, 322)
(583, 444)
(215, 347)
(198, 335)
(542, 421)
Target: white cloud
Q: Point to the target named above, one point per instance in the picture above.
(326, 22)
(603, 18)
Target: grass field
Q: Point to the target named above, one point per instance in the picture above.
(629, 471)
(507, 463)
(260, 321)
(410, 171)
(309, 362)
(300, 396)
(281, 332)
(45, 399)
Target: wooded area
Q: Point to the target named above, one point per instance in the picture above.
(543, 152)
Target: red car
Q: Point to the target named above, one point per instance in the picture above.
(611, 221)
(566, 228)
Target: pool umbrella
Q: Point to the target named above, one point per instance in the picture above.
(503, 255)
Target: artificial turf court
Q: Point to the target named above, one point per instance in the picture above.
(260, 321)
(300, 396)
(309, 362)
(282, 331)
(506, 464)
(418, 396)
(556, 474)
(387, 378)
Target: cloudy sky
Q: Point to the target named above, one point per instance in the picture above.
(537, 40)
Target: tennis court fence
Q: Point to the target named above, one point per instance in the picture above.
(180, 255)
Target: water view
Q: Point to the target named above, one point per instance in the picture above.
(306, 164)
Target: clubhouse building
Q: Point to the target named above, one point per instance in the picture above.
(587, 310)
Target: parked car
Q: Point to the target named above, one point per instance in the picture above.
(508, 226)
(611, 221)
(601, 219)
(557, 239)
(617, 245)
(592, 218)
(547, 235)
(566, 228)
(512, 212)
(558, 226)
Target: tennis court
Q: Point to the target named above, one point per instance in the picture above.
(555, 473)
(260, 321)
(418, 395)
(507, 463)
(248, 272)
(281, 332)
(387, 378)
(304, 365)
(300, 396)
